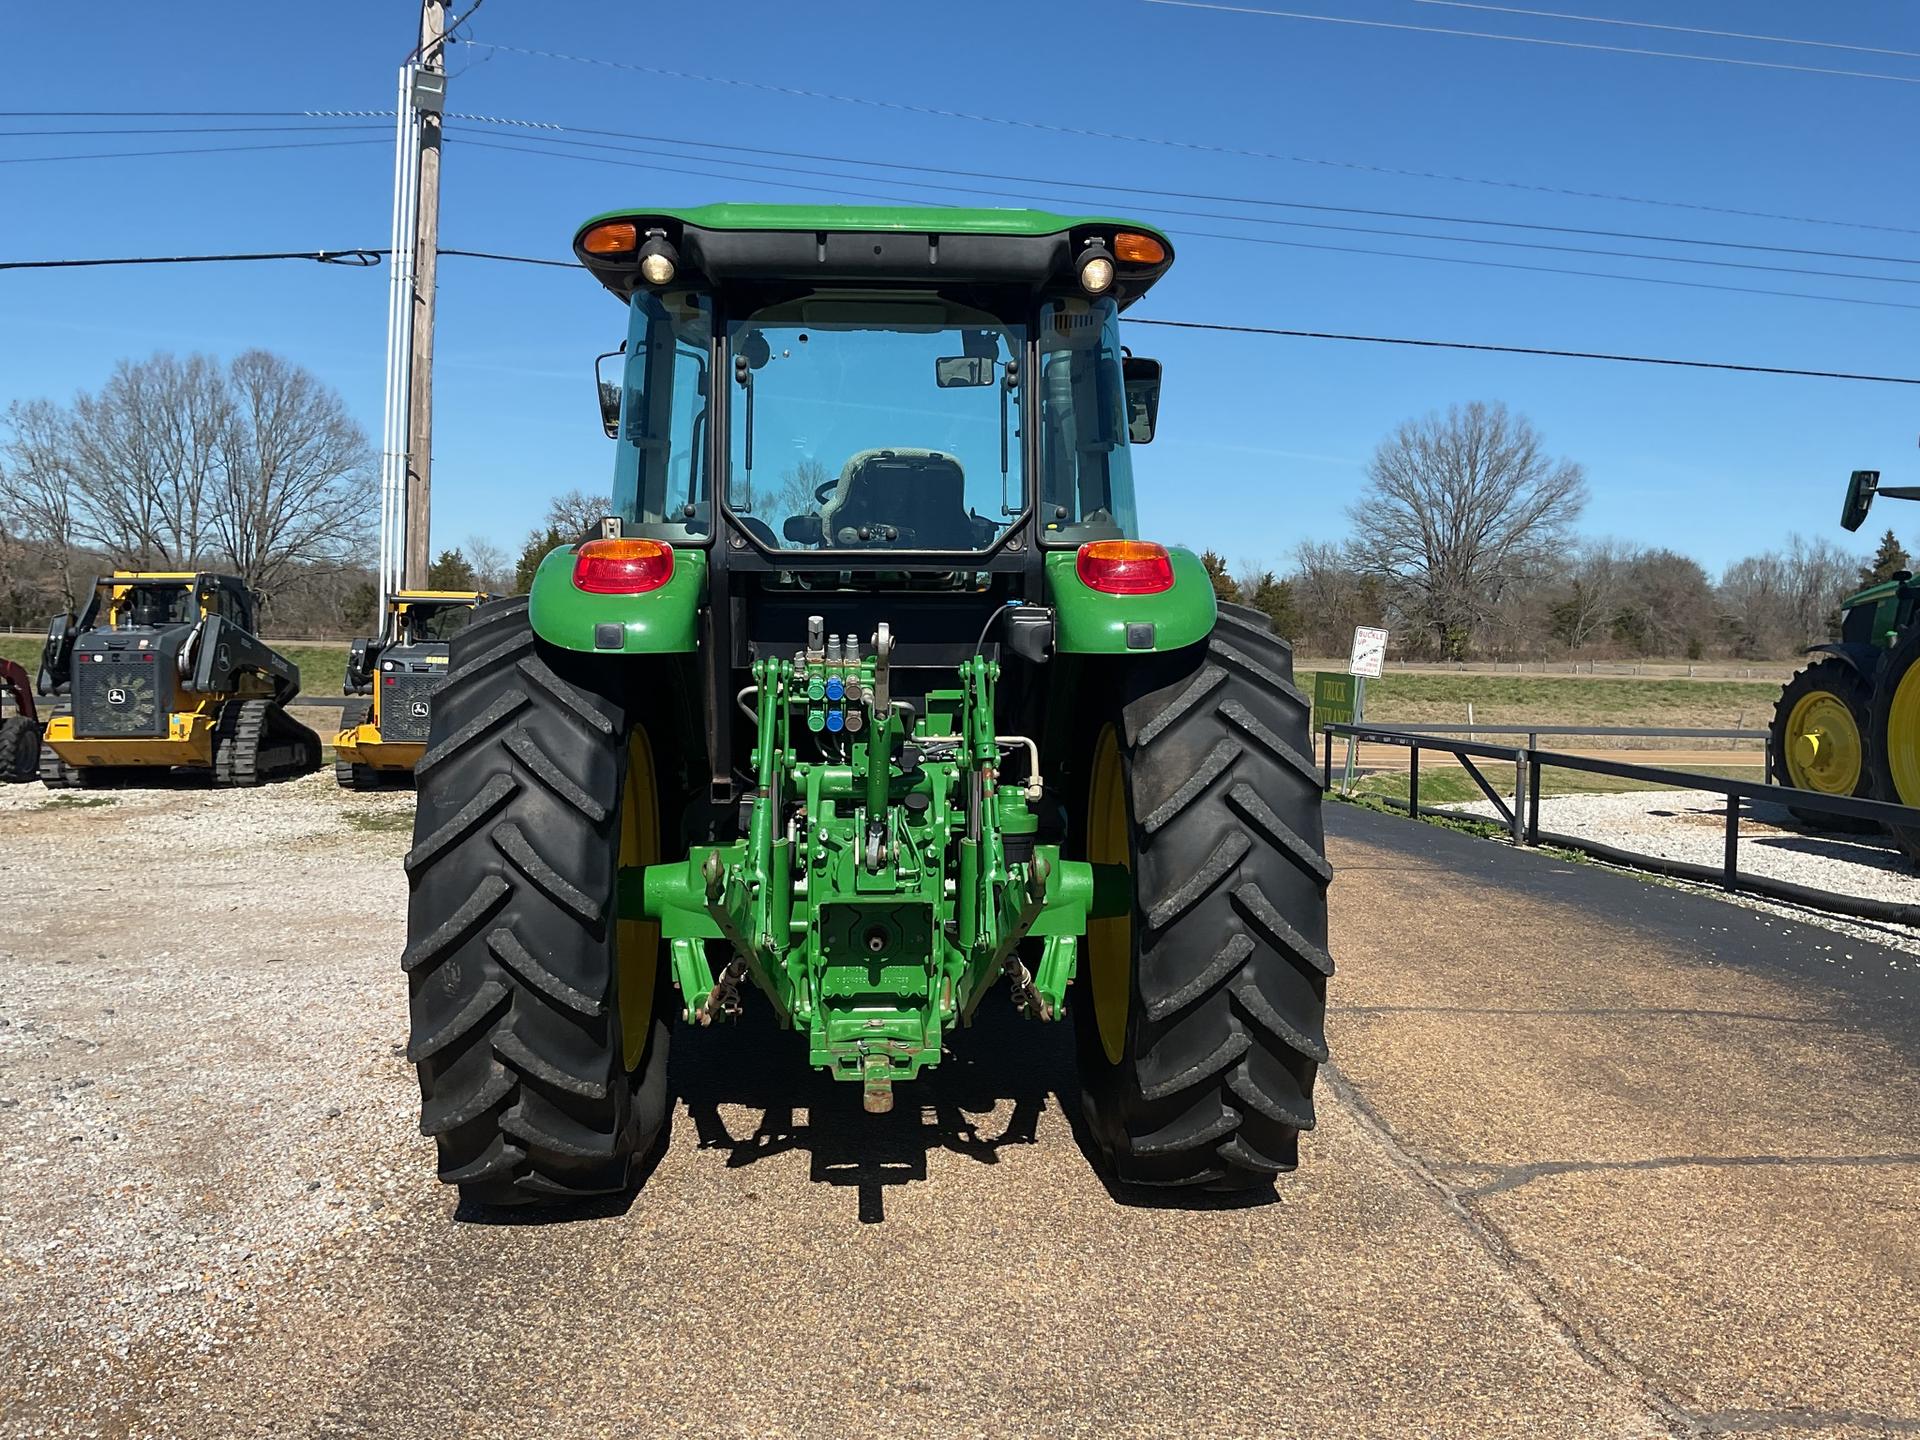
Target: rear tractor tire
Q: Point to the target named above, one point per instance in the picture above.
(1820, 726)
(1893, 734)
(1200, 1017)
(540, 1021)
(19, 749)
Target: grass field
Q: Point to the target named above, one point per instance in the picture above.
(1405, 699)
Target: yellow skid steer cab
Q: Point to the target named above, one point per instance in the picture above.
(162, 670)
(381, 740)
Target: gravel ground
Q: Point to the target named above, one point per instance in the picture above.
(162, 1137)
(1690, 825)
(1530, 1209)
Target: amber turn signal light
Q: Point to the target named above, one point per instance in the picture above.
(1125, 567)
(1132, 249)
(616, 237)
(622, 567)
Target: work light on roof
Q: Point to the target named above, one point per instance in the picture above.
(1096, 268)
(658, 259)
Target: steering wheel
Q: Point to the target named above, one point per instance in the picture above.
(821, 493)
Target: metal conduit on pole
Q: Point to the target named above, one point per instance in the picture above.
(393, 444)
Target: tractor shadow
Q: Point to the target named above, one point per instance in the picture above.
(956, 1106)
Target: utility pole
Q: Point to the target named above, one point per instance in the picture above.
(430, 94)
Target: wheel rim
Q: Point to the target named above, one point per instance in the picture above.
(1110, 941)
(1903, 731)
(637, 942)
(1823, 750)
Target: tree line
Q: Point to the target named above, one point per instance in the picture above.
(1464, 545)
(1464, 539)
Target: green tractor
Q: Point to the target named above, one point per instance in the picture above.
(868, 699)
(1849, 723)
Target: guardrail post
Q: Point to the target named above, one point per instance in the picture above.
(1730, 867)
(1519, 791)
(1533, 796)
(1413, 781)
(1326, 773)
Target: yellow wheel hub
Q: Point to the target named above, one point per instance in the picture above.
(1110, 941)
(637, 942)
(1903, 737)
(1823, 745)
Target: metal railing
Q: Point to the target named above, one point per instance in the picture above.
(1522, 818)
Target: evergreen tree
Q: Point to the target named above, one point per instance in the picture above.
(451, 571)
(1225, 587)
(1273, 598)
(1889, 560)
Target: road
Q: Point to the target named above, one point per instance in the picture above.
(1596, 1158)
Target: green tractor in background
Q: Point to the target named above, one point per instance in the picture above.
(867, 700)
(1849, 723)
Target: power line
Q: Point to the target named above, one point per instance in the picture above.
(1019, 123)
(200, 150)
(179, 130)
(1533, 40)
(1530, 350)
(1215, 235)
(358, 259)
(1673, 29)
(545, 127)
(369, 256)
(542, 137)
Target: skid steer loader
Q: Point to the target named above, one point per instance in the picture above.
(398, 669)
(162, 670)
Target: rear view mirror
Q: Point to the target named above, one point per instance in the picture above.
(1143, 398)
(609, 392)
(950, 372)
(1861, 486)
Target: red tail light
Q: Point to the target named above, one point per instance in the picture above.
(622, 567)
(1125, 567)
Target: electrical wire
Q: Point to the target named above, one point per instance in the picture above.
(1246, 239)
(1118, 188)
(182, 130)
(1673, 29)
(1529, 350)
(544, 138)
(1019, 123)
(359, 259)
(1532, 40)
(200, 150)
(368, 256)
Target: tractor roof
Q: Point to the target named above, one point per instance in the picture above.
(872, 244)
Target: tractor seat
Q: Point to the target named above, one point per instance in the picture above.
(920, 492)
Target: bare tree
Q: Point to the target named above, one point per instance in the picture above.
(145, 452)
(1460, 508)
(1332, 597)
(491, 569)
(1589, 594)
(36, 485)
(295, 483)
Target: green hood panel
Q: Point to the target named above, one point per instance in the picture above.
(659, 622)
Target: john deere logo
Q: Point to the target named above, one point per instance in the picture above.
(418, 709)
(116, 696)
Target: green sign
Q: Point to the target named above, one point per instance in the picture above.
(1333, 697)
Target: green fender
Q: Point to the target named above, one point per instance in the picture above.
(1087, 622)
(659, 622)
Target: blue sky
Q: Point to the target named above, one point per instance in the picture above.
(1262, 440)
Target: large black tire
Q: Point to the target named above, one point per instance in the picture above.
(346, 774)
(1224, 960)
(1893, 733)
(514, 961)
(19, 749)
(1850, 697)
